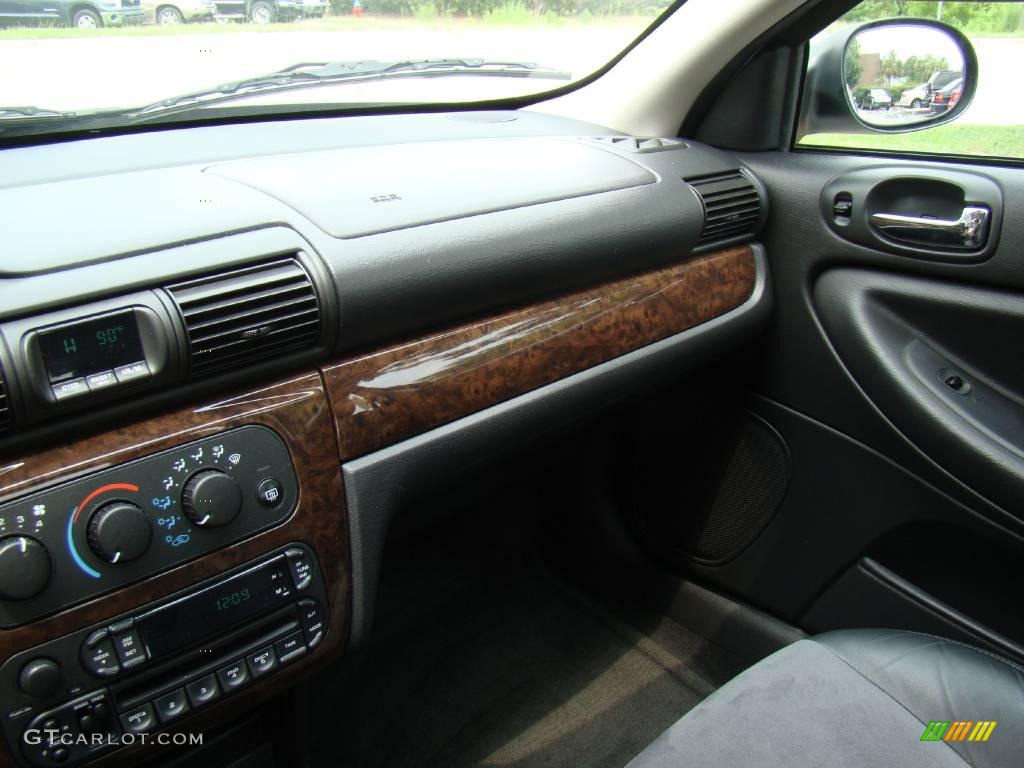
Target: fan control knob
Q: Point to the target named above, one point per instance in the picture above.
(24, 567)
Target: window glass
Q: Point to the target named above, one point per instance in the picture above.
(123, 61)
(894, 83)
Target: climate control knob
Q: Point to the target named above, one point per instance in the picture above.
(211, 498)
(24, 567)
(119, 532)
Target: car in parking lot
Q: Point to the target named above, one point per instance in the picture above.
(876, 98)
(269, 11)
(921, 95)
(168, 12)
(83, 14)
(945, 98)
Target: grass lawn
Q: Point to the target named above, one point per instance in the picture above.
(954, 138)
(500, 18)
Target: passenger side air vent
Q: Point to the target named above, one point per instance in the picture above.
(5, 406)
(238, 317)
(732, 206)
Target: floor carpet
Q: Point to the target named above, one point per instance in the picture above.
(480, 657)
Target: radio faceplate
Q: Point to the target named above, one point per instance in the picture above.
(98, 533)
(151, 681)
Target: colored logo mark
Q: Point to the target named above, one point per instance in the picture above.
(959, 730)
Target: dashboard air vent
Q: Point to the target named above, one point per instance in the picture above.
(732, 206)
(5, 406)
(249, 314)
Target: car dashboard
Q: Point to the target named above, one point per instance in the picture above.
(231, 355)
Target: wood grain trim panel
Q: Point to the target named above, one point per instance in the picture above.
(298, 410)
(407, 389)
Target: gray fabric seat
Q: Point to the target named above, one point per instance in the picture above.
(854, 698)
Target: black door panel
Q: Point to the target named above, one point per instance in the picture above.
(942, 363)
(904, 507)
(800, 367)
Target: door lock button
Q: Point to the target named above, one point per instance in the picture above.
(955, 381)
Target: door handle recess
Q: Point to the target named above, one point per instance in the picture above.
(967, 232)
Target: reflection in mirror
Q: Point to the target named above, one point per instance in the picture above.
(902, 74)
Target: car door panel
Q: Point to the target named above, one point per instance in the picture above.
(907, 341)
(903, 507)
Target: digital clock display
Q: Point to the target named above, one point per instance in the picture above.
(92, 346)
(215, 609)
(233, 599)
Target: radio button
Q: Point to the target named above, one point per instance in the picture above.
(40, 677)
(89, 723)
(173, 705)
(97, 381)
(99, 657)
(132, 372)
(203, 691)
(139, 720)
(233, 676)
(312, 618)
(68, 389)
(130, 650)
(100, 634)
(261, 662)
(122, 626)
(302, 569)
(290, 647)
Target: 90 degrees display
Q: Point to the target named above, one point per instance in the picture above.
(101, 344)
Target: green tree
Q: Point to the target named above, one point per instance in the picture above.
(891, 66)
(852, 66)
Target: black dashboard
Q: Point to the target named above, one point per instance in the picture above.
(226, 345)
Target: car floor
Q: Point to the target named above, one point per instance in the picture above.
(479, 655)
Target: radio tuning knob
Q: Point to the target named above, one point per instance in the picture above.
(119, 532)
(24, 567)
(211, 498)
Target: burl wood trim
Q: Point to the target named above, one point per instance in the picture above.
(407, 389)
(299, 412)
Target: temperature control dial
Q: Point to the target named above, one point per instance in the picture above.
(211, 498)
(119, 532)
(24, 567)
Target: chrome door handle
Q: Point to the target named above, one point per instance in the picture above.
(968, 231)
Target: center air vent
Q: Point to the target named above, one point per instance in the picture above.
(732, 206)
(5, 406)
(238, 317)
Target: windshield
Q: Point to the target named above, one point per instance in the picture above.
(65, 61)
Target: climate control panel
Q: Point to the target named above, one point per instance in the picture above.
(94, 534)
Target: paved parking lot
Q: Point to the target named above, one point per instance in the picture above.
(79, 73)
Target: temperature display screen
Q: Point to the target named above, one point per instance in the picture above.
(92, 346)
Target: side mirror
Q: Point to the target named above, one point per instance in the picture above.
(903, 64)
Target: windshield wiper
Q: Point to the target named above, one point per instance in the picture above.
(319, 73)
(17, 121)
(15, 113)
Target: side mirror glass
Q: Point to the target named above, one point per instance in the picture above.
(902, 75)
(887, 76)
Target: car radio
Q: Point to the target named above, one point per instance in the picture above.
(77, 696)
